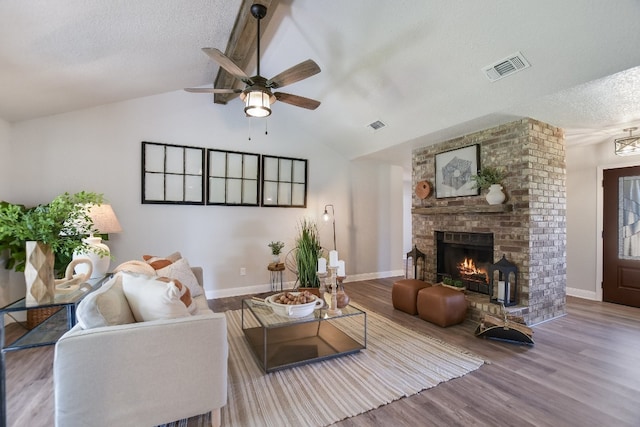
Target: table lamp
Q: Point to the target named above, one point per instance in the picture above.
(104, 222)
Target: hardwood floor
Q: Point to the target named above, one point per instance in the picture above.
(582, 371)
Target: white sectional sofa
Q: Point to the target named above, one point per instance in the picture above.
(143, 373)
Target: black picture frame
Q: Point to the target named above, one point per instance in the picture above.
(454, 169)
(172, 174)
(233, 178)
(284, 182)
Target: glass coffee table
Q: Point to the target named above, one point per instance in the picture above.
(280, 342)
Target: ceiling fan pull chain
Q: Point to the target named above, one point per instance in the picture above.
(266, 129)
(249, 128)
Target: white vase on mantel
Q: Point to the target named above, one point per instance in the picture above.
(495, 196)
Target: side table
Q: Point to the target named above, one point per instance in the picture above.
(46, 333)
(276, 269)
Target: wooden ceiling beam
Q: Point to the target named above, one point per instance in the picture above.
(241, 47)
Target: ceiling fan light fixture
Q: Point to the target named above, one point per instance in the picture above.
(257, 104)
(629, 145)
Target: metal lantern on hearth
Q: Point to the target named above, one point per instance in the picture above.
(505, 289)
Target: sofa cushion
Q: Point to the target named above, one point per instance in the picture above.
(158, 262)
(107, 306)
(181, 271)
(152, 299)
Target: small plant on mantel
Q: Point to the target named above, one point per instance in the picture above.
(487, 177)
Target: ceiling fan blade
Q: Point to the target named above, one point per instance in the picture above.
(211, 90)
(227, 64)
(294, 74)
(298, 101)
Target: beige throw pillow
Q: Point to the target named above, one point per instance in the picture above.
(107, 306)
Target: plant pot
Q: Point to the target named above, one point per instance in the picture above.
(38, 273)
(495, 196)
(276, 259)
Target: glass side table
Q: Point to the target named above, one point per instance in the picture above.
(46, 333)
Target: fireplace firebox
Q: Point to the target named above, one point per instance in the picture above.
(465, 257)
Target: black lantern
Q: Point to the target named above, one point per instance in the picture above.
(505, 289)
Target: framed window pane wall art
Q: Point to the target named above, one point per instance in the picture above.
(172, 174)
(284, 182)
(454, 169)
(233, 178)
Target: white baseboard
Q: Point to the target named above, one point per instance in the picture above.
(257, 289)
(581, 293)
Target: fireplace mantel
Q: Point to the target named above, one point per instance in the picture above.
(438, 210)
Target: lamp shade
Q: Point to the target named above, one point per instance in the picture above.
(104, 219)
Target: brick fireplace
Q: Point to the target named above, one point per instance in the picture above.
(529, 228)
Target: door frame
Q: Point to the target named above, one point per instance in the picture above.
(600, 220)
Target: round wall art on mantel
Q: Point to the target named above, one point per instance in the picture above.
(423, 189)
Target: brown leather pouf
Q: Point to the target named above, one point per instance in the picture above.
(404, 294)
(441, 305)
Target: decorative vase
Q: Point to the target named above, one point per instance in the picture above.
(276, 259)
(495, 196)
(38, 273)
(342, 299)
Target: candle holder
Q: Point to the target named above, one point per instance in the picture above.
(322, 288)
(333, 307)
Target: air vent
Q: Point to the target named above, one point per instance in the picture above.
(377, 125)
(507, 66)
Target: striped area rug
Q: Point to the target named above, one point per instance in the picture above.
(397, 362)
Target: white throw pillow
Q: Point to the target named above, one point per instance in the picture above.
(151, 299)
(107, 306)
(181, 271)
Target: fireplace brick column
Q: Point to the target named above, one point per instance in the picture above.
(533, 234)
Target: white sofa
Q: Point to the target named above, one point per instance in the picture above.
(142, 374)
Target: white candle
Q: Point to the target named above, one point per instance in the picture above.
(501, 290)
(333, 258)
(341, 271)
(322, 265)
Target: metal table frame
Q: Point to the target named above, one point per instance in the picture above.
(46, 333)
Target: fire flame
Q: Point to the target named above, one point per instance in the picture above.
(468, 268)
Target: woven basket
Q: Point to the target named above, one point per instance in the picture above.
(39, 315)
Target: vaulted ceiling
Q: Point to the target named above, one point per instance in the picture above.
(416, 65)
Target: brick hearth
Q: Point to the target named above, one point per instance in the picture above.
(530, 228)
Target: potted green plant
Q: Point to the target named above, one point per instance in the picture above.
(276, 249)
(308, 250)
(490, 178)
(50, 232)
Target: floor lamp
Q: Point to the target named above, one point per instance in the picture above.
(325, 216)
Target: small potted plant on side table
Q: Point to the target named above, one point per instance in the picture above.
(276, 249)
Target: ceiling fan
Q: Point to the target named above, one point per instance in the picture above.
(258, 95)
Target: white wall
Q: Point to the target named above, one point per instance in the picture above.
(584, 215)
(98, 149)
(5, 159)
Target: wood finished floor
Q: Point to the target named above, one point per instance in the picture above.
(582, 371)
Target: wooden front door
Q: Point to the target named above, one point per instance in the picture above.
(621, 236)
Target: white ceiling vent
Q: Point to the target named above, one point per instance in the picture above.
(507, 66)
(377, 125)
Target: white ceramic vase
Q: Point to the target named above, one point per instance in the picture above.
(495, 196)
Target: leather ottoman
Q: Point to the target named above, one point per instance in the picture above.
(404, 294)
(441, 306)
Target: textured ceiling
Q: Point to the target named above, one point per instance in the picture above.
(414, 64)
